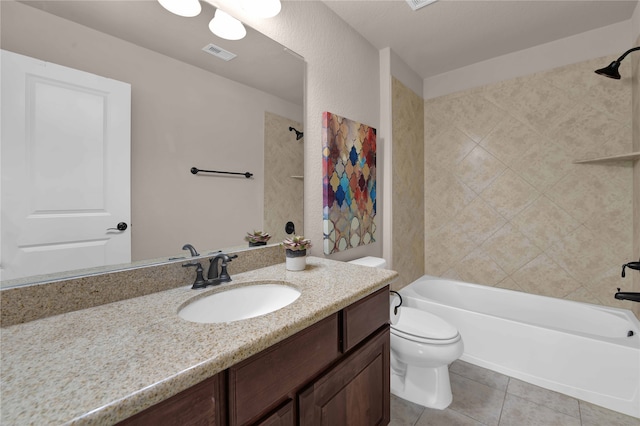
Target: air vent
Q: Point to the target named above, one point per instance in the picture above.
(219, 52)
(417, 4)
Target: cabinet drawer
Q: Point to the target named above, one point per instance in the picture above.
(364, 317)
(259, 383)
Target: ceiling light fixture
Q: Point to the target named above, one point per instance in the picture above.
(186, 8)
(226, 26)
(611, 71)
(262, 8)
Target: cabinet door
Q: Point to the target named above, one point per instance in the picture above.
(200, 405)
(355, 392)
(282, 417)
(267, 379)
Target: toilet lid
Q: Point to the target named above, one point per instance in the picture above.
(423, 325)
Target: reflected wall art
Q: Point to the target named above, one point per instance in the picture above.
(349, 183)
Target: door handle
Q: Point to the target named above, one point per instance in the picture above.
(120, 227)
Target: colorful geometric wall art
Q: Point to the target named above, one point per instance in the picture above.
(349, 183)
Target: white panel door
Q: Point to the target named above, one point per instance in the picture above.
(65, 166)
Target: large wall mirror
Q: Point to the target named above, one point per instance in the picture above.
(188, 109)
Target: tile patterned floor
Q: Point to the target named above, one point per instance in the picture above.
(483, 397)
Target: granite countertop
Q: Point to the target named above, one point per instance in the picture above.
(104, 364)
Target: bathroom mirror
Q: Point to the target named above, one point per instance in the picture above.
(183, 105)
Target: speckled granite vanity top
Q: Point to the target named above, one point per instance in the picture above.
(104, 364)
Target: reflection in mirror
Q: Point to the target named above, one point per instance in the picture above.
(188, 109)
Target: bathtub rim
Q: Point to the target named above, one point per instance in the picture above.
(631, 342)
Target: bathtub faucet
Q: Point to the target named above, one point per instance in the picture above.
(631, 265)
(625, 295)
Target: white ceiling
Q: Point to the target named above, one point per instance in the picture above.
(451, 34)
(261, 62)
(440, 37)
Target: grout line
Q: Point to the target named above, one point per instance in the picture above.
(580, 411)
(504, 400)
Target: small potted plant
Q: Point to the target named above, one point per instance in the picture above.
(257, 238)
(296, 252)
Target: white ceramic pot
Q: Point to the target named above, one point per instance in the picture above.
(296, 260)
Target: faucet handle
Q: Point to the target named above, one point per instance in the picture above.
(199, 282)
(224, 275)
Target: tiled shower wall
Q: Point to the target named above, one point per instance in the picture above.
(505, 206)
(283, 171)
(408, 175)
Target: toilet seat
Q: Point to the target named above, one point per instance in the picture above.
(423, 327)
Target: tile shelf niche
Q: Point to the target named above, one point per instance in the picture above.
(621, 157)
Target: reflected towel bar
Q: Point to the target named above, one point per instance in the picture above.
(195, 170)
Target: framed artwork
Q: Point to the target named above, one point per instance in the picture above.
(349, 183)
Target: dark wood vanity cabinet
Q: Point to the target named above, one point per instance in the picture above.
(201, 405)
(334, 372)
(354, 392)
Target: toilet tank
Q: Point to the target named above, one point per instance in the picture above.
(375, 262)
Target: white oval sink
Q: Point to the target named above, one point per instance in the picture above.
(239, 303)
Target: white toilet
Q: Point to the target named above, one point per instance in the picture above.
(422, 347)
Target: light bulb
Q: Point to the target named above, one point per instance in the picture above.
(226, 26)
(262, 8)
(186, 8)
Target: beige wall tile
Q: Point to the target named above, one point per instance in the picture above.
(478, 169)
(543, 165)
(510, 139)
(478, 221)
(587, 132)
(510, 249)
(478, 266)
(509, 194)
(580, 254)
(553, 227)
(544, 223)
(447, 149)
(545, 277)
(408, 184)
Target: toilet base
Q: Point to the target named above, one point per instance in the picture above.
(429, 387)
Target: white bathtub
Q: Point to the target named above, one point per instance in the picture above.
(577, 349)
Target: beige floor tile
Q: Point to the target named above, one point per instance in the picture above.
(475, 400)
(593, 415)
(553, 400)
(446, 417)
(521, 412)
(479, 374)
(404, 413)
